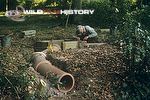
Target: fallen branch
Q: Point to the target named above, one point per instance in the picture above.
(12, 86)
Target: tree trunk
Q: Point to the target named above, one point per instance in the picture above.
(2, 5)
(77, 19)
(12, 4)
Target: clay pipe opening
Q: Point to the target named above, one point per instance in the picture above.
(66, 82)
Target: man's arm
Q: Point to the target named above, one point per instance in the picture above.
(76, 37)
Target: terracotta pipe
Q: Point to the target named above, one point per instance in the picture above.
(44, 67)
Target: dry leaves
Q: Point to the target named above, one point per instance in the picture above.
(93, 69)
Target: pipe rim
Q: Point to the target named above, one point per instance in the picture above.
(41, 53)
(72, 84)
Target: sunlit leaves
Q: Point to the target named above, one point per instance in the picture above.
(39, 1)
(133, 2)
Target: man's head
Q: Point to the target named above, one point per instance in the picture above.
(80, 29)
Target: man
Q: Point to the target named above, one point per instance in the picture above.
(86, 33)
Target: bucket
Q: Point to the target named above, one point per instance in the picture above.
(6, 41)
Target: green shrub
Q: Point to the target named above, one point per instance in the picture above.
(104, 14)
(136, 48)
(143, 16)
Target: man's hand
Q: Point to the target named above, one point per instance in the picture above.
(77, 38)
(85, 38)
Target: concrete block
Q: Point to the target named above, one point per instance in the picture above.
(70, 45)
(29, 33)
(58, 42)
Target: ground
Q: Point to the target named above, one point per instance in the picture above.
(96, 70)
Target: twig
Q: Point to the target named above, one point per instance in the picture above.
(23, 44)
(12, 86)
(70, 4)
(9, 70)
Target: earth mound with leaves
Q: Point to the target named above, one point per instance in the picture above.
(95, 69)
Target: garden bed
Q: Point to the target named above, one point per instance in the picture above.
(96, 70)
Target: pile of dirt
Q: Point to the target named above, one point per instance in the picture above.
(18, 79)
(16, 55)
(94, 70)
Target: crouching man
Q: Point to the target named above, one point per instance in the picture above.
(86, 33)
